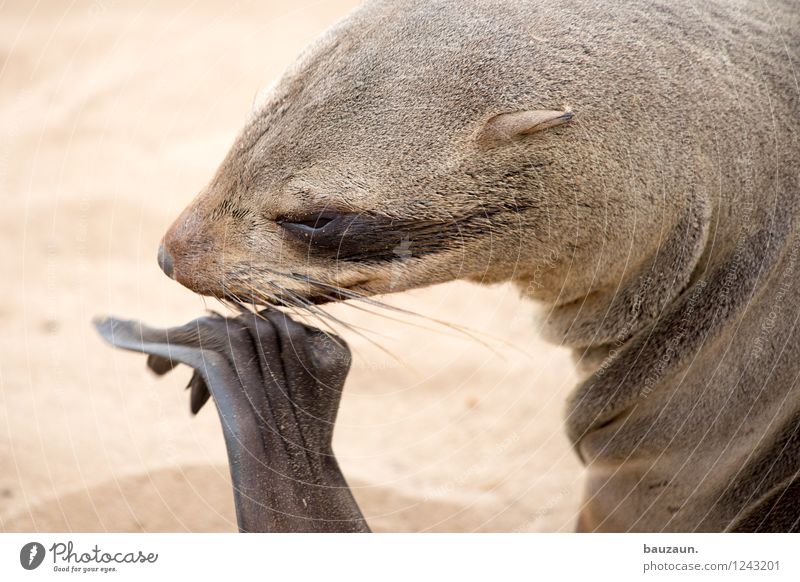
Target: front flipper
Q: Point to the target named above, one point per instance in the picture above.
(277, 385)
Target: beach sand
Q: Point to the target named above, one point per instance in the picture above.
(113, 115)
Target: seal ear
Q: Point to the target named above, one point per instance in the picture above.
(507, 127)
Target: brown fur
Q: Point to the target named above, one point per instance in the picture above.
(657, 224)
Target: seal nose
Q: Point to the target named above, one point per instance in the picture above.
(165, 261)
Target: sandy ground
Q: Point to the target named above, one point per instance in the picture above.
(112, 116)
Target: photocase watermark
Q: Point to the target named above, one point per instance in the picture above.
(547, 262)
(402, 253)
(31, 555)
(65, 558)
(770, 319)
(626, 330)
(543, 511)
(674, 343)
(733, 274)
(12, 131)
(473, 470)
(379, 365)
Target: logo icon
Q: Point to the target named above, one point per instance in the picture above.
(31, 555)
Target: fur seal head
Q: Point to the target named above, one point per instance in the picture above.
(420, 142)
(411, 146)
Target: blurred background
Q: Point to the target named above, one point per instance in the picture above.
(113, 114)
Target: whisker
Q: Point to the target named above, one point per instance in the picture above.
(268, 298)
(338, 294)
(306, 306)
(354, 329)
(385, 316)
(470, 333)
(319, 315)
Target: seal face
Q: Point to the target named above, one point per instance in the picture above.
(373, 166)
(617, 165)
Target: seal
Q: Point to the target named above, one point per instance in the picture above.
(633, 166)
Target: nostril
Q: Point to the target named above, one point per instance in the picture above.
(165, 261)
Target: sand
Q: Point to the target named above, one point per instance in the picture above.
(112, 116)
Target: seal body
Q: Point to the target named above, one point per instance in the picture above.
(634, 166)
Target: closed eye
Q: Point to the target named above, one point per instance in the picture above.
(307, 224)
(366, 237)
